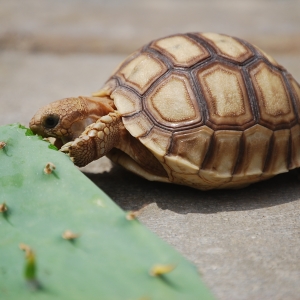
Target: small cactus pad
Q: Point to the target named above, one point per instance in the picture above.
(78, 243)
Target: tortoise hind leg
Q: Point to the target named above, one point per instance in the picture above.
(141, 156)
(121, 158)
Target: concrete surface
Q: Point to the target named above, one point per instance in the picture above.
(246, 243)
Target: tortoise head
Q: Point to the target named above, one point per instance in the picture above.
(66, 119)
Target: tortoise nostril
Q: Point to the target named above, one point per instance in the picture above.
(51, 121)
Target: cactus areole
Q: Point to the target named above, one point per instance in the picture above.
(199, 109)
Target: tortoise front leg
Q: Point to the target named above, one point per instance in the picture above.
(97, 139)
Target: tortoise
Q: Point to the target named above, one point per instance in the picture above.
(205, 110)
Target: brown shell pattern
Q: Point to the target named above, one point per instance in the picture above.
(216, 111)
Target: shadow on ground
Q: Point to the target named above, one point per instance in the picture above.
(131, 192)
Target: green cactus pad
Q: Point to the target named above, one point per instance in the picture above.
(77, 243)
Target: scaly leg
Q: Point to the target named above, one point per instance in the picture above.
(107, 133)
(97, 139)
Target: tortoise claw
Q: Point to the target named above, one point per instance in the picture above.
(81, 151)
(66, 147)
(97, 140)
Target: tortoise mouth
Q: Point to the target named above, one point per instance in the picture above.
(58, 143)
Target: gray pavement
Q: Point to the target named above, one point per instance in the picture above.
(245, 243)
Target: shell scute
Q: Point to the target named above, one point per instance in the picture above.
(225, 95)
(189, 149)
(173, 103)
(228, 47)
(277, 161)
(181, 50)
(295, 147)
(275, 106)
(138, 125)
(128, 102)
(256, 141)
(142, 71)
(296, 93)
(268, 57)
(158, 141)
(223, 156)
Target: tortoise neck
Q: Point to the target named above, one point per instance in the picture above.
(98, 106)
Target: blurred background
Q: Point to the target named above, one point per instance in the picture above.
(245, 243)
(53, 49)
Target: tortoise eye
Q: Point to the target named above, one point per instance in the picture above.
(51, 121)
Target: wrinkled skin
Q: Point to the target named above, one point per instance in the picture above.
(66, 119)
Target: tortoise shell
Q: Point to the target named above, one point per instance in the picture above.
(216, 111)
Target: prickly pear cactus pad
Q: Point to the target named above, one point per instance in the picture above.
(61, 237)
